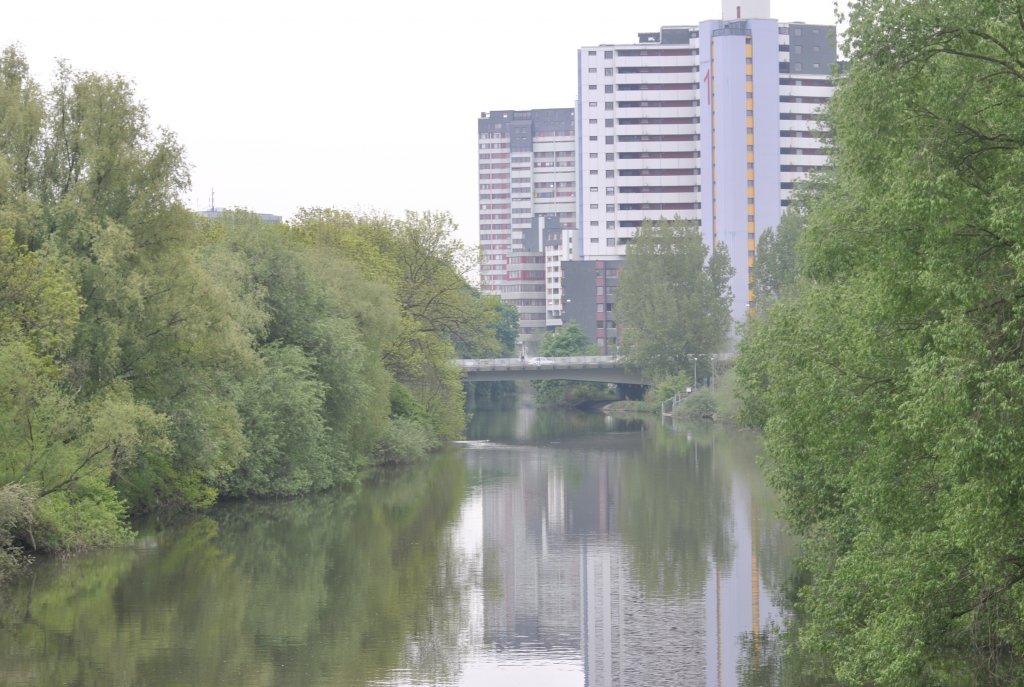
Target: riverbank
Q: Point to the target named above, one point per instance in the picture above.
(719, 404)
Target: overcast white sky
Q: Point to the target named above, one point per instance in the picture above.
(354, 104)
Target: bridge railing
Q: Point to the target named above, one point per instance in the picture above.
(540, 363)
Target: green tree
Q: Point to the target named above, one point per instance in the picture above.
(38, 302)
(673, 298)
(425, 266)
(888, 382)
(775, 267)
(318, 301)
(506, 334)
(506, 328)
(63, 453)
(568, 340)
(284, 423)
(57, 454)
(103, 198)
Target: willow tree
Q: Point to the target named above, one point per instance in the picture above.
(425, 267)
(889, 379)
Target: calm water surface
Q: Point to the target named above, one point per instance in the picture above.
(550, 549)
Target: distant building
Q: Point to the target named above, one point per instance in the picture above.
(215, 213)
(590, 299)
(712, 123)
(527, 192)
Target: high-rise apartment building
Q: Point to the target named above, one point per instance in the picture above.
(711, 123)
(527, 191)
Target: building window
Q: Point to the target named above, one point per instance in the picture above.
(610, 241)
(609, 174)
(609, 208)
(593, 223)
(591, 121)
(609, 157)
(609, 139)
(591, 52)
(609, 190)
(592, 70)
(609, 106)
(593, 206)
(608, 88)
(609, 225)
(593, 155)
(593, 138)
(608, 71)
(609, 122)
(607, 54)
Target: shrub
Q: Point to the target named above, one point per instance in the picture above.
(90, 515)
(16, 504)
(405, 440)
(700, 404)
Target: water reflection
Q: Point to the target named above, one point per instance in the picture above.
(641, 552)
(554, 549)
(327, 590)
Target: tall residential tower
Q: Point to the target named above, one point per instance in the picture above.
(527, 187)
(711, 123)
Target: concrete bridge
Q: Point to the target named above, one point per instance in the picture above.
(586, 368)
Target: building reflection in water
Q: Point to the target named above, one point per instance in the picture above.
(577, 567)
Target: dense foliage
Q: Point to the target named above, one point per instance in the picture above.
(673, 299)
(152, 358)
(888, 378)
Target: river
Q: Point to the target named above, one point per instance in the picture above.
(551, 548)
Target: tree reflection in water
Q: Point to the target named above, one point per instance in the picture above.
(331, 589)
(576, 547)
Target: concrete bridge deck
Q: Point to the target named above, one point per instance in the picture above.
(587, 368)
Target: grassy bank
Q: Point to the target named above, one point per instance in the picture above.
(719, 404)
